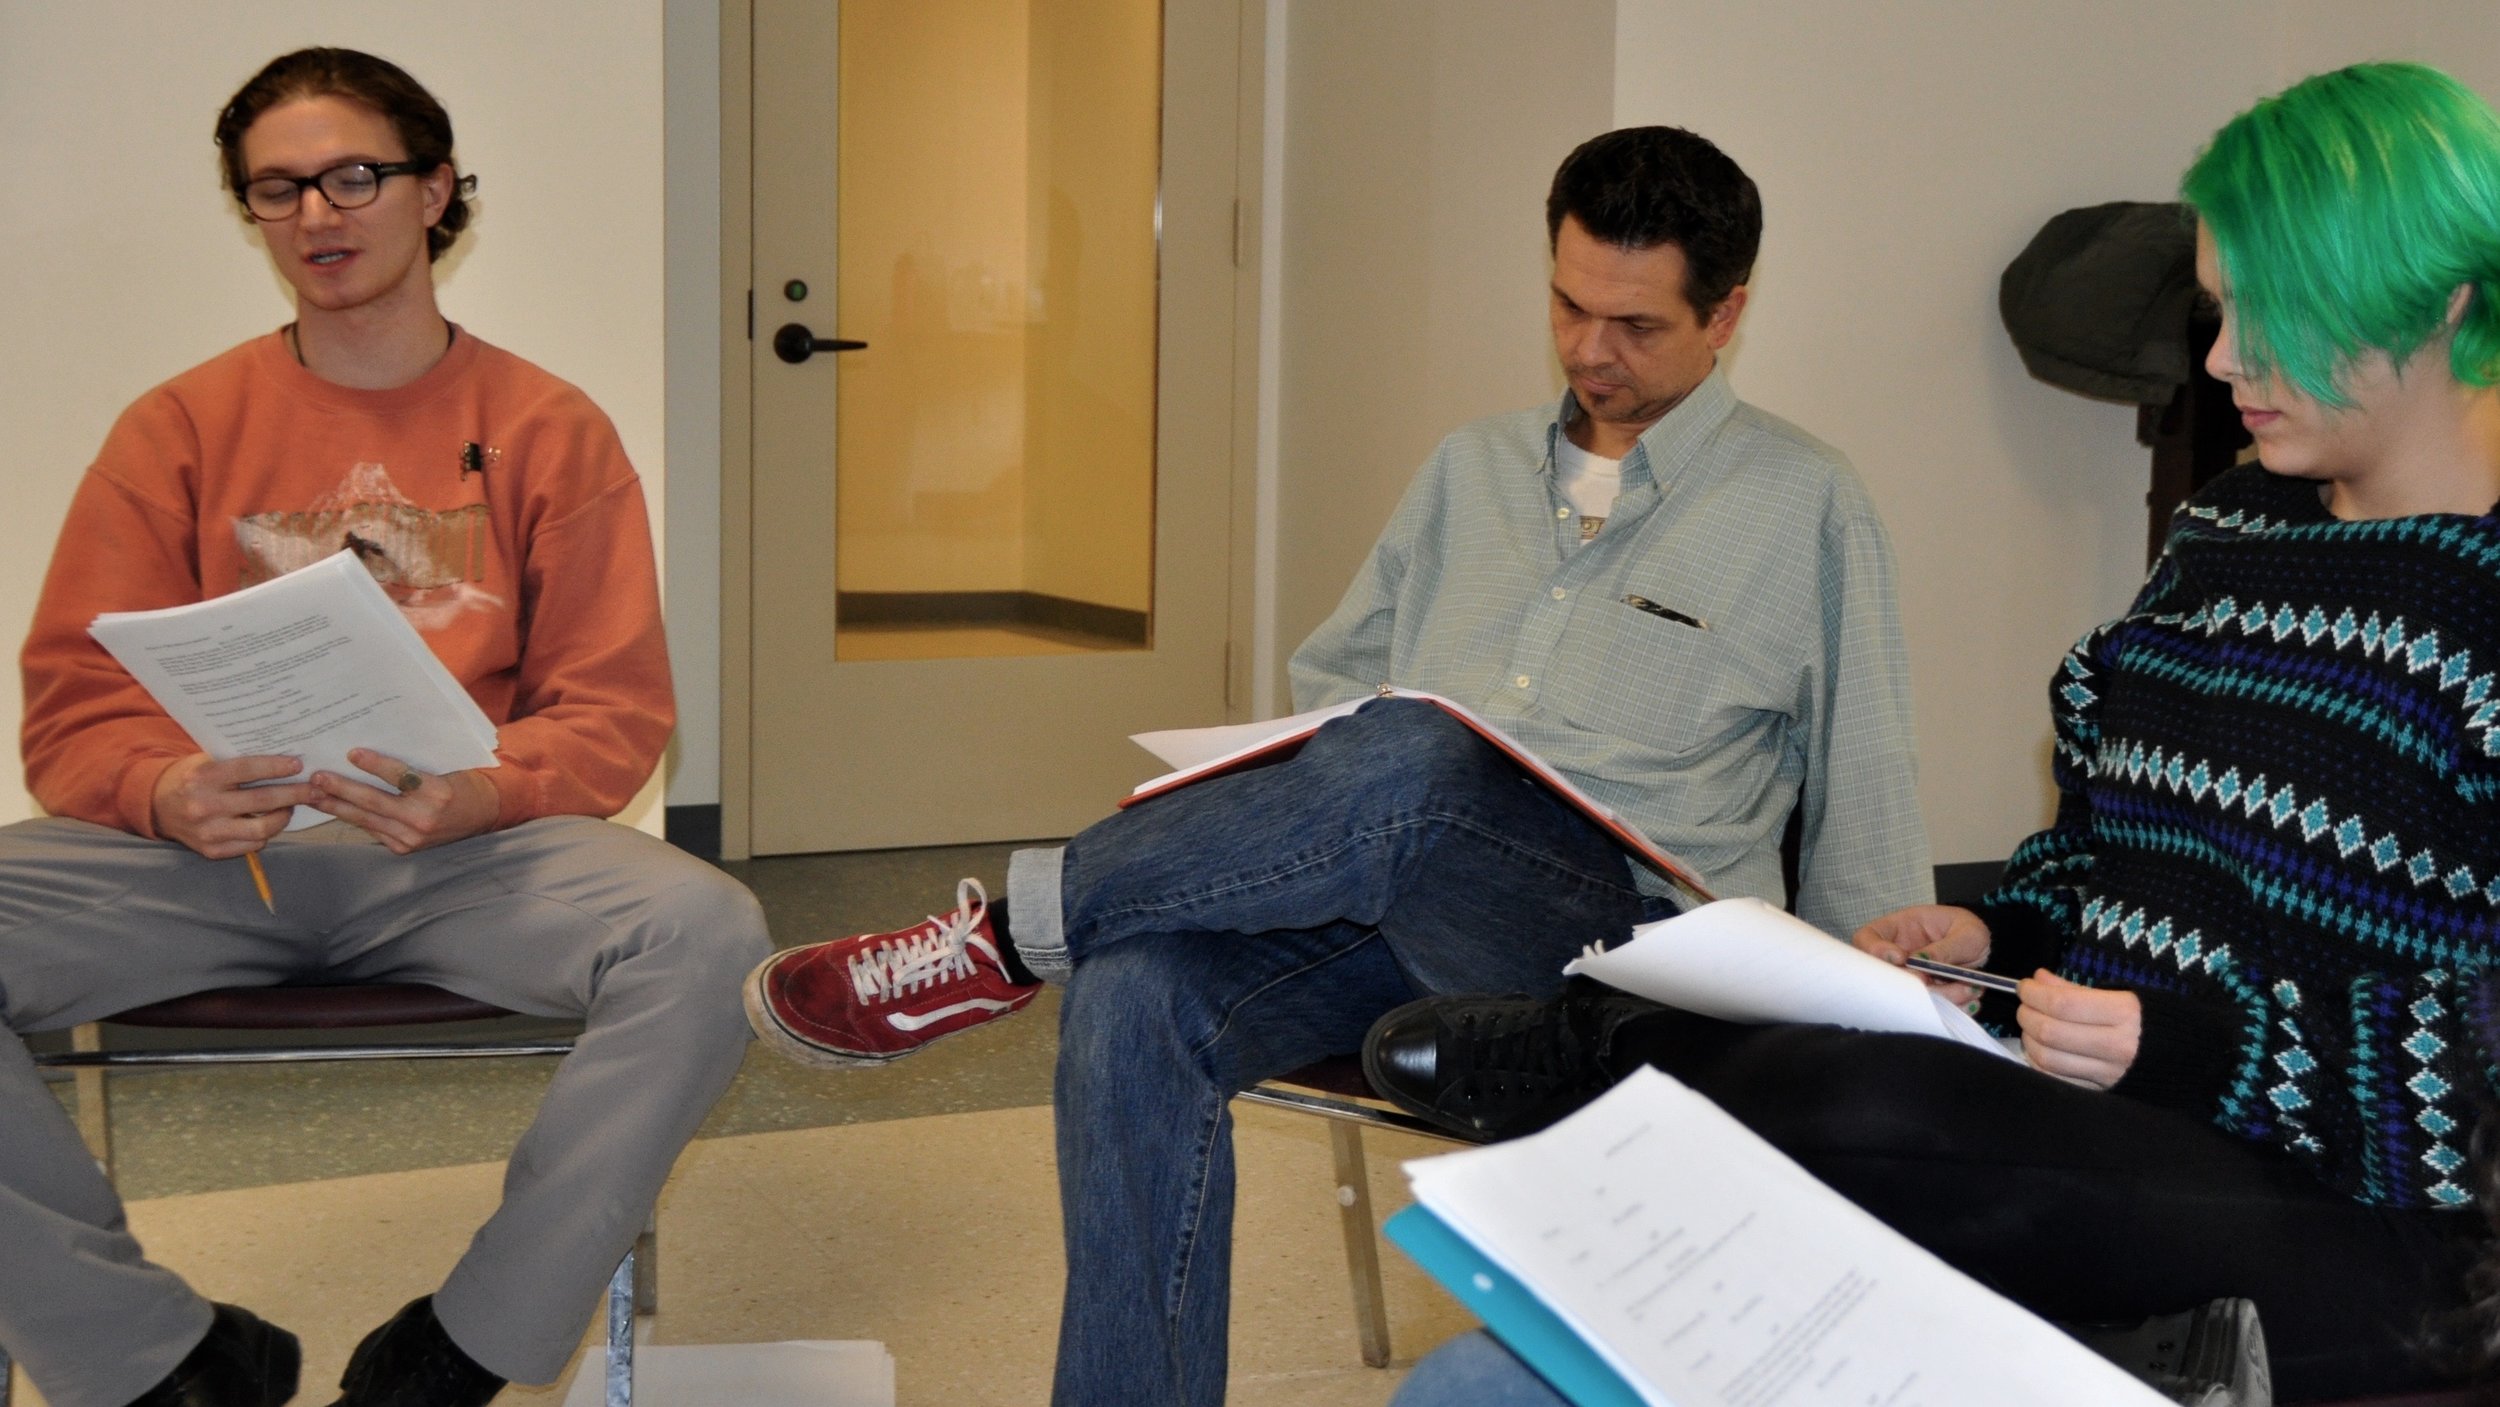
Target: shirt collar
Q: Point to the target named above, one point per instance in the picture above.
(1666, 446)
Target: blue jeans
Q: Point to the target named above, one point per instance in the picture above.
(1250, 924)
(1474, 1370)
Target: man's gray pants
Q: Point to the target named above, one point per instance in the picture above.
(560, 917)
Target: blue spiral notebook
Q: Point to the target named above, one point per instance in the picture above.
(1511, 1311)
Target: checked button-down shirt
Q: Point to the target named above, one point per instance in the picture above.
(1727, 644)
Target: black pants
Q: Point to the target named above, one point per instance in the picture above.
(2083, 1205)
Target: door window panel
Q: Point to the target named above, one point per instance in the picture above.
(997, 241)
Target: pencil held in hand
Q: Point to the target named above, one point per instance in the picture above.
(260, 880)
(1971, 976)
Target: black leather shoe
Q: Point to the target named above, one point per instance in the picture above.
(411, 1362)
(1488, 1068)
(244, 1362)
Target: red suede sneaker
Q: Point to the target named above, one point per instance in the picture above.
(866, 999)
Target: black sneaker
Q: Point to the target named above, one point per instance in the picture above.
(411, 1362)
(1489, 1068)
(244, 1362)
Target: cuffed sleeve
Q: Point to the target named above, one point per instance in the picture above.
(1863, 850)
(2186, 1054)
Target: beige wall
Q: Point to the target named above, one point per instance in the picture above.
(1418, 139)
(1410, 142)
(1906, 153)
(1415, 147)
(2461, 36)
(132, 264)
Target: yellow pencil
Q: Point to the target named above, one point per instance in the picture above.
(260, 880)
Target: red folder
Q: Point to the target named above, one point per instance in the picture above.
(1291, 733)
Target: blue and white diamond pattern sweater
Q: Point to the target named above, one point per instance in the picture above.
(2279, 822)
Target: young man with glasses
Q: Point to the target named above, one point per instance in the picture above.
(495, 504)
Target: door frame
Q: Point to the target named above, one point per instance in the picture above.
(737, 448)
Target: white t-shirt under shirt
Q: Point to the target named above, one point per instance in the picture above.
(1589, 483)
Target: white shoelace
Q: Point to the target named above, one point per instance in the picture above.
(935, 953)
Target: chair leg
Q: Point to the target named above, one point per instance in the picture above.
(1362, 1243)
(95, 1122)
(620, 1334)
(646, 1268)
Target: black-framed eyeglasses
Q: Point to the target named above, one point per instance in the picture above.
(346, 187)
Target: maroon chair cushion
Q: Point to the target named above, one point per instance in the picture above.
(313, 1008)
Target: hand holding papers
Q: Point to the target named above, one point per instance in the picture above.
(1207, 752)
(309, 664)
(1695, 1266)
(1743, 960)
(1199, 753)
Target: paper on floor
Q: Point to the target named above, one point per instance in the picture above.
(809, 1373)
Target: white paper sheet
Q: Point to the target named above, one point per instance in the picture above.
(1183, 749)
(1710, 1271)
(1197, 752)
(1743, 960)
(804, 1373)
(310, 664)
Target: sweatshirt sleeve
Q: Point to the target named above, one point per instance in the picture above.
(592, 704)
(93, 740)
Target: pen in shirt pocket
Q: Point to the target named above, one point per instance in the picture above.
(1643, 603)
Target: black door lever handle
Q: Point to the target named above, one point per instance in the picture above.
(795, 344)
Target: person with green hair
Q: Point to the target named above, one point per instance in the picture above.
(2255, 948)
(2350, 228)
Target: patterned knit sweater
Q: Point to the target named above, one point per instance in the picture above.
(2279, 823)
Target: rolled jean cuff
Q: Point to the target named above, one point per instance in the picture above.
(1036, 922)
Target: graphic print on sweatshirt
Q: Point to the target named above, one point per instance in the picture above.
(430, 562)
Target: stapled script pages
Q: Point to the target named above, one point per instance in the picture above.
(308, 664)
(1710, 1271)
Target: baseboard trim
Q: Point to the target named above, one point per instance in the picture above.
(693, 829)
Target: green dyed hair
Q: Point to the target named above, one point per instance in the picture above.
(2346, 211)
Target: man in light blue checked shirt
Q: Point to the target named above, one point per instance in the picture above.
(1684, 604)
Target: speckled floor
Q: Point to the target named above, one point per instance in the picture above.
(179, 1132)
(937, 1236)
(914, 1205)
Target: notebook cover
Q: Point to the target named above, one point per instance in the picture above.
(1511, 1311)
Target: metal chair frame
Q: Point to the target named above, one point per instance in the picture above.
(633, 1289)
(1335, 1090)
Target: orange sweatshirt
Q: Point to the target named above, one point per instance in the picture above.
(491, 500)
